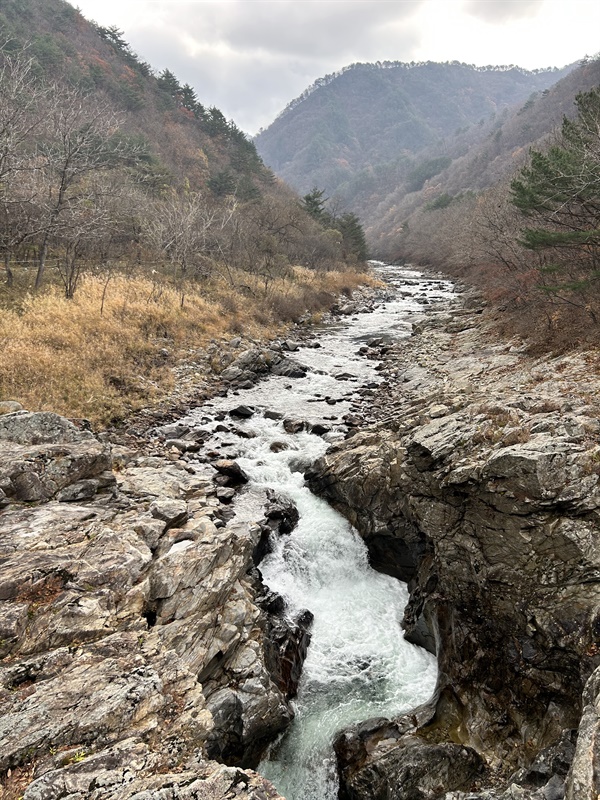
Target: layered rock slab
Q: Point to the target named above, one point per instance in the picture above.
(121, 620)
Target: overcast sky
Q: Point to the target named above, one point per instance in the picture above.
(251, 57)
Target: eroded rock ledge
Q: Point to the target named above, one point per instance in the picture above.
(132, 646)
(480, 487)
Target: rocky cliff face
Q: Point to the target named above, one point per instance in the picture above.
(132, 646)
(480, 487)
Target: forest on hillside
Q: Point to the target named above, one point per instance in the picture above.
(132, 212)
(103, 161)
(507, 200)
(366, 132)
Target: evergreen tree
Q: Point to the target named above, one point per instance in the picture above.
(189, 100)
(353, 237)
(215, 123)
(169, 83)
(559, 193)
(354, 245)
(314, 204)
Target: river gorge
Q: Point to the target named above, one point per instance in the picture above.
(178, 610)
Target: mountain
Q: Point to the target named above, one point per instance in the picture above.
(477, 159)
(193, 144)
(359, 133)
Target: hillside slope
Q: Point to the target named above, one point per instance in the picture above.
(152, 215)
(479, 158)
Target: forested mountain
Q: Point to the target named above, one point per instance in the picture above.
(450, 166)
(517, 214)
(104, 160)
(360, 133)
(477, 159)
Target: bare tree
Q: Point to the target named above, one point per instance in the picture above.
(22, 113)
(81, 143)
(191, 233)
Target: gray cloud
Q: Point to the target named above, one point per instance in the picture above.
(251, 58)
(494, 11)
(317, 29)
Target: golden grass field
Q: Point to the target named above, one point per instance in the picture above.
(98, 355)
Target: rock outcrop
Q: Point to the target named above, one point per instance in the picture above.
(479, 485)
(132, 649)
(43, 456)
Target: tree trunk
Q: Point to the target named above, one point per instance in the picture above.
(10, 278)
(41, 263)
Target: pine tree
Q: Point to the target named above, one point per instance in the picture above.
(314, 204)
(353, 237)
(559, 194)
(169, 83)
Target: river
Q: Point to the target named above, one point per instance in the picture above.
(358, 664)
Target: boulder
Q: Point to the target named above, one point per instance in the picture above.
(242, 412)
(231, 470)
(250, 716)
(406, 768)
(281, 515)
(286, 645)
(294, 425)
(289, 368)
(171, 512)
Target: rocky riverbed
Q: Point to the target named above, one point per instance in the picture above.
(142, 658)
(120, 587)
(140, 654)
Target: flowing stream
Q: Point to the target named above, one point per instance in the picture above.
(358, 664)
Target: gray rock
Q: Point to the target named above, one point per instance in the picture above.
(288, 368)
(294, 425)
(583, 782)
(171, 512)
(320, 429)
(150, 531)
(242, 412)
(28, 487)
(183, 445)
(82, 490)
(109, 614)
(174, 430)
(233, 374)
(407, 769)
(231, 470)
(225, 495)
(42, 427)
(274, 415)
(40, 454)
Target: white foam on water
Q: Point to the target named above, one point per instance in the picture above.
(358, 664)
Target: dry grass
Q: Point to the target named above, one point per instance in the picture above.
(98, 356)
